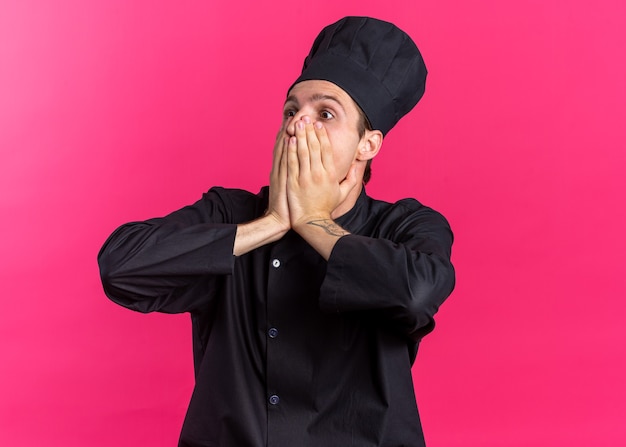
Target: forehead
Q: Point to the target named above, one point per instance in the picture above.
(312, 90)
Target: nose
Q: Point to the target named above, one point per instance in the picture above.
(291, 125)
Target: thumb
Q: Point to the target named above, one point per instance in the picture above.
(349, 182)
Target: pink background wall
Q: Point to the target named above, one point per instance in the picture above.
(120, 110)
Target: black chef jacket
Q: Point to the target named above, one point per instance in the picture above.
(291, 350)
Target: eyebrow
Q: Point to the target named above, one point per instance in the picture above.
(316, 98)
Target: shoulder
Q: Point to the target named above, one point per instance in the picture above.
(231, 194)
(407, 217)
(237, 204)
(407, 208)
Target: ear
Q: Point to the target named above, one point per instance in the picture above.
(369, 145)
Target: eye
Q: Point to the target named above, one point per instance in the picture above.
(289, 113)
(326, 115)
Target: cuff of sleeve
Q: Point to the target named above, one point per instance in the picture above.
(332, 286)
(221, 259)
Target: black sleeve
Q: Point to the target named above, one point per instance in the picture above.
(171, 264)
(400, 278)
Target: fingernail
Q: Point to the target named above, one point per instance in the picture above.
(306, 119)
(318, 125)
(300, 125)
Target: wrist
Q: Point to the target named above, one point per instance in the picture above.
(305, 222)
(280, 226)
(321, 233)
(320, 225)
(256, 233)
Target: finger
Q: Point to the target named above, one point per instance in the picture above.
(282, 162)
(302, 147)
(313, 145)
(293, 164)
(277, 156)
(350, 182)
(326, 150)
(278, 146)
